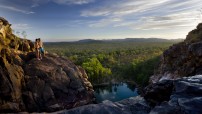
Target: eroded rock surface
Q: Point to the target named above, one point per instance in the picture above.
(182, 59)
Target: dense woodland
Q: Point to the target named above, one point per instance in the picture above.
(114, 61)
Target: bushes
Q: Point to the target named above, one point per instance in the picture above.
(95, 70)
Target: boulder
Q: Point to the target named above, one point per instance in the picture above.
(158, 92)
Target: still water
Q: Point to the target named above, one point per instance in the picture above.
(115, 92)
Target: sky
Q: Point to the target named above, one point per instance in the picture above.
(71, 20)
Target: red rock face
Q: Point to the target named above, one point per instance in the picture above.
(182, 59)
(28, 84)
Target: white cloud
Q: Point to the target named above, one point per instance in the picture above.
(96, 12)
(146, 15)
(123, 8)
(21, 26)
(105, 22)
(35, 5)
(26, 6)
(177, 20)
(16, 9)
(78, 2)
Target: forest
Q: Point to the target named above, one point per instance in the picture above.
(114, 60)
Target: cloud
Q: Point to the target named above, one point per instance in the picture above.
(96, 12)
(25, 7)
(77, 2)
(35, 5)
(127, 7)
(16, 9)
(105, 22)
(122, 8)
(146, 15)
(21, 26)
(177, 20)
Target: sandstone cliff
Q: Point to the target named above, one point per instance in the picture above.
(27, 84)
(182, 59)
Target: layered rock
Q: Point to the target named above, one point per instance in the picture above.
(182, 59)
(185, 97)
(27, 84)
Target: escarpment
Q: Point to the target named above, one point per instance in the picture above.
(27, 84)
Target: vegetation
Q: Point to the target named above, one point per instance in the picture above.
(95, 70)
(113, 60)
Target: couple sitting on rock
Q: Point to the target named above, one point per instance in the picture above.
(39, 49)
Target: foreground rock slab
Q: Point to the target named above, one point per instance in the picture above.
(135, 105)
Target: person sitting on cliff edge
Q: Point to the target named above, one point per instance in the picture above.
(36, 46)
(41, 48)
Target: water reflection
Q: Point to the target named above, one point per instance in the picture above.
(115, 92)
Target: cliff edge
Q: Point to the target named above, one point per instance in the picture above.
(182, 59)
(31, 85)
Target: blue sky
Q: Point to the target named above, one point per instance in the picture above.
(70, 20)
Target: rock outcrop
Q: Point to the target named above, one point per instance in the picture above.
(182, 59)
(183, 96)
(31, 85)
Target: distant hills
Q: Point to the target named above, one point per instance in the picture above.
(125, 40)
(132, 40)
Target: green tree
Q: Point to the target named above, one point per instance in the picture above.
(95, 70)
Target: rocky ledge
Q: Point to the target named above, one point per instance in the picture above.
(30, 85)
(180, 96)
